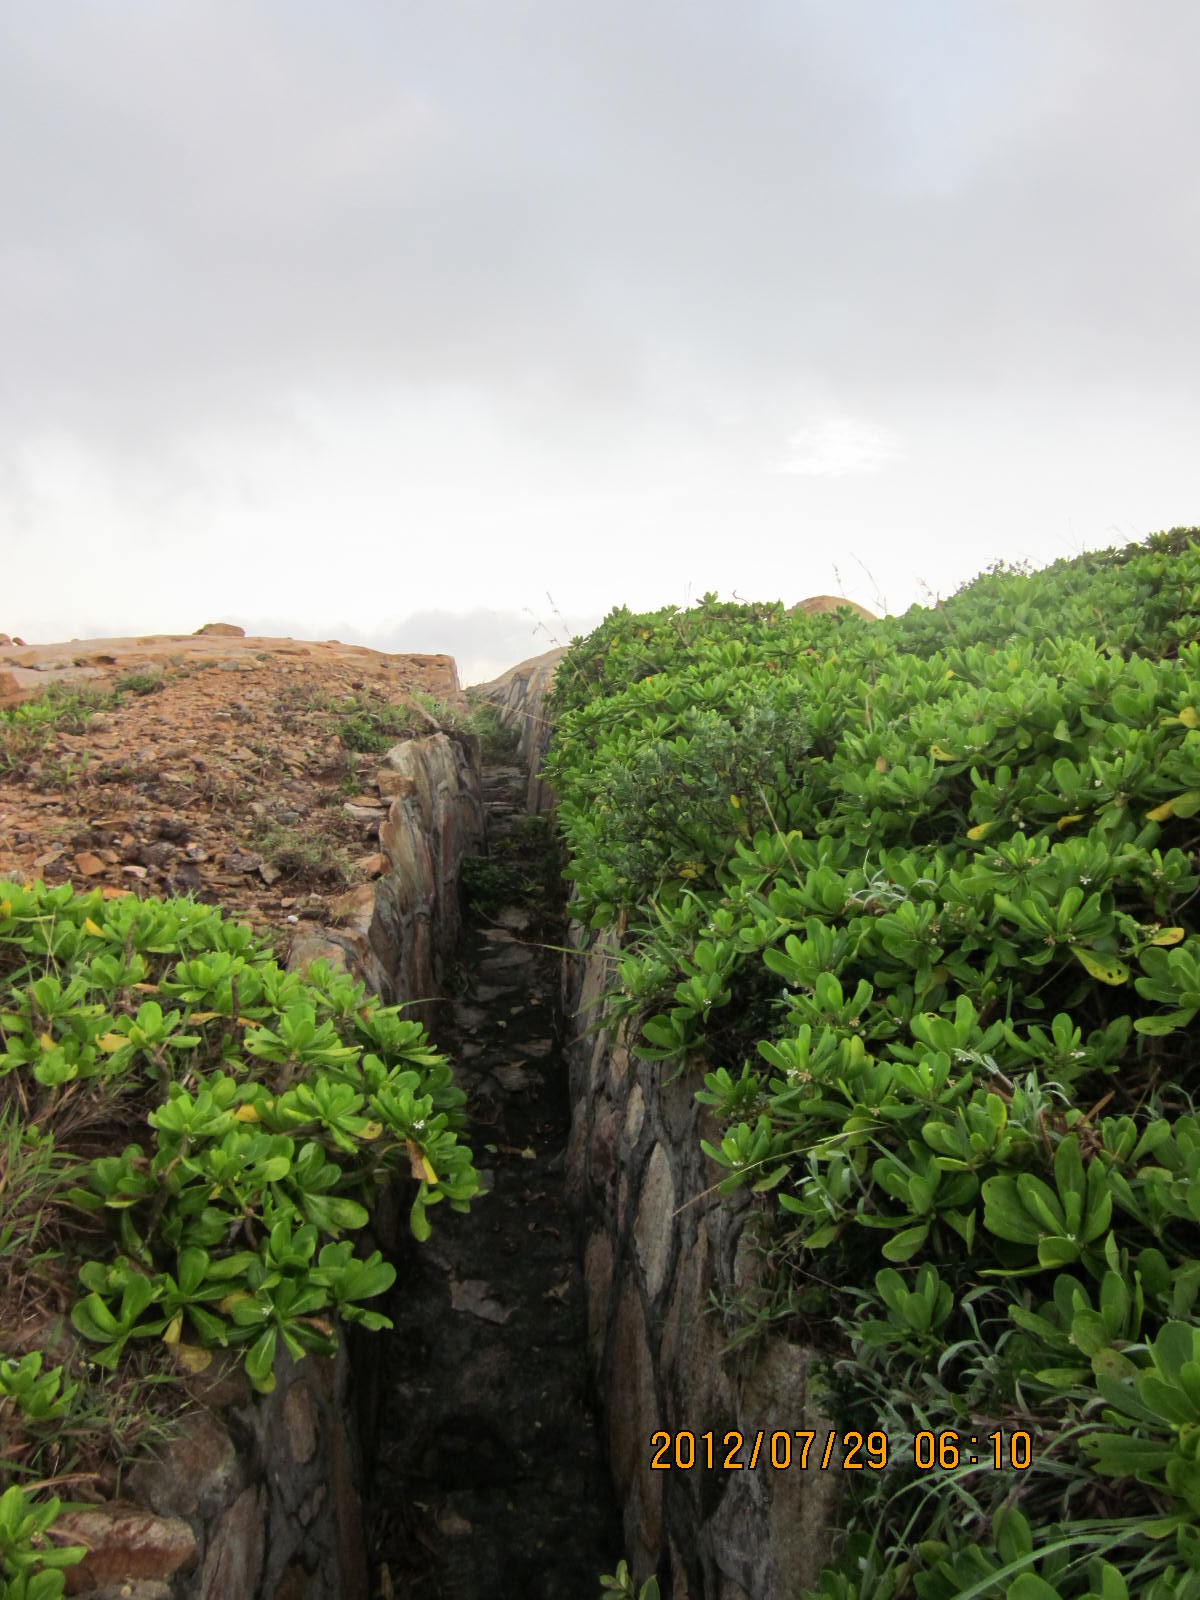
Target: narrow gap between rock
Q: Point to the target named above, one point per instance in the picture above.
(487, 1477)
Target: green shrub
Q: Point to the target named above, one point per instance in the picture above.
(191, 1139)
(139, 683)
(917, 899)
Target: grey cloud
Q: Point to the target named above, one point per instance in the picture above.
(587, 271)
(205, 202)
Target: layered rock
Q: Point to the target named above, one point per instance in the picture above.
(660, 1245)
(521, 694)
(393, 933)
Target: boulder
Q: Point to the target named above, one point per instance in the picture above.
(818, 603)
(123, 1543)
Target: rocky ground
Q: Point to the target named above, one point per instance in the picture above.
(489, 1483)
(208, 764)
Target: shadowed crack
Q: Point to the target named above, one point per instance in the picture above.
(489, 1479)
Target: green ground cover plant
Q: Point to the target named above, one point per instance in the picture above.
(26, 729)
(369, 724)
(915, 904)
(497, 740)
(190, 1139)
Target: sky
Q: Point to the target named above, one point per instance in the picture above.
(449, 326)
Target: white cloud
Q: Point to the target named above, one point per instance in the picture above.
(840, 447)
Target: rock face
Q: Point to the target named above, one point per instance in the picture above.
(393, 932)
(658, 1243)
(520, 693)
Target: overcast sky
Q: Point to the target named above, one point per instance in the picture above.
(387, 320)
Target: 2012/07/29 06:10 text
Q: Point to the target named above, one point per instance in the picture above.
(930, 1451)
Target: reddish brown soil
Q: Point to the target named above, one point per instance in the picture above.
(171, 791)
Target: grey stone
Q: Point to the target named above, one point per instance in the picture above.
(653, 1229)
(196, 1475)
(300, 1422)
(235, 1555)
(635, 1111)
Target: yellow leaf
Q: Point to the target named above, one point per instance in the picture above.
(46, 1041)
(1106, 968)
(249, 1022)
(430, 1175)
(192, 1358)
(1074, 816)
(1180, 805)
(226, 1306)
(246, 1113)
(203, 1016)
(880, 764)
(5, 908)
(174, 1329)
(90, 927)
(735, 802)
(1190, 717)
(109, 1042)
(980, 830)
(372, 1130)
(938, 754)
(1168, 936)
(147, 988)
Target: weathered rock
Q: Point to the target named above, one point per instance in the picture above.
(371, 814)
(636, 1417)
(234, 1561)
(300, 1421)
(395, 785)
(352, 1561)
(294, 1584)
(520, 693)
(635, 1113)
(818, 604)
(124, 1543)
(222, 630)
(659, 1243)
(653, 1231)
(196, 1475)
(145, 1589)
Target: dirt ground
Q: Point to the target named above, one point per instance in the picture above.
(218, 770)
